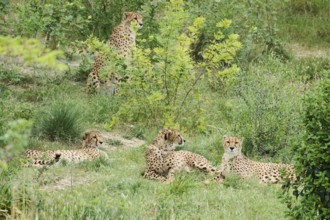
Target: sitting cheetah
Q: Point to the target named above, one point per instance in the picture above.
(234, 161)
(162, 161)
(89, 151)
(123, 40)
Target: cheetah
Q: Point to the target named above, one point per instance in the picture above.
(122, 40)
(233, 161)
(89, 151)
(185, 161)
(162, 161)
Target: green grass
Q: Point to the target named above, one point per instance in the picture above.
(305, 22)
(114, 189)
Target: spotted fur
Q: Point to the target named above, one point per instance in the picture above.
(185, 161)
(89, 151)
(163, 161)
(122, 40)
(156, 153)
(233, 161)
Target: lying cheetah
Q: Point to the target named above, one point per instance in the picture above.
(122, 40)
(185, 161)
(156, 153)
(162, 161)
(233, 161)
(89, 151)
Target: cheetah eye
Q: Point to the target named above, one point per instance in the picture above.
(236, 142)
(136, 18)
(94, 136)
(228, 142)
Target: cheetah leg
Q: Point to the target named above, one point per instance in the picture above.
(219, 178)
(205, 167)
(152, 175)
(170, 175)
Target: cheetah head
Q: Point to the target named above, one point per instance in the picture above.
(133, 17)
(170, 138)
(232, 145)
(92, 139)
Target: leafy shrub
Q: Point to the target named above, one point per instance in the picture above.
(15, 139)
(163, 89)
(56, 20)
(83, 70)
(311, 195)
(64, 121)
(256, 25)
(268, 112)
(60, 23)
(31, 50)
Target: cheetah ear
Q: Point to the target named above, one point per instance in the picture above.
(85, 136)
(167, 135)
(126, 14)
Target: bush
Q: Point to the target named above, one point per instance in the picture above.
(164, 86)
(311, 195)
(254, 21)
(15, 139)
(31, 50)
(267, 113)
(64, 121)
(61, 23)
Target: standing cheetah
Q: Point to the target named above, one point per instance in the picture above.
(233, 161)
(122, 40)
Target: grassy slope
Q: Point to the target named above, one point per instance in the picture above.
(115, 189)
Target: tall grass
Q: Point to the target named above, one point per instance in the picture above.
(64, 121)
(305, 22)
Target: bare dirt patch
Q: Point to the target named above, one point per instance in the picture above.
(301, 51)
(115, 140)
(66, 182)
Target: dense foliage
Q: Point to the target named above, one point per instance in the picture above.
(311, 195)
(165, 85)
